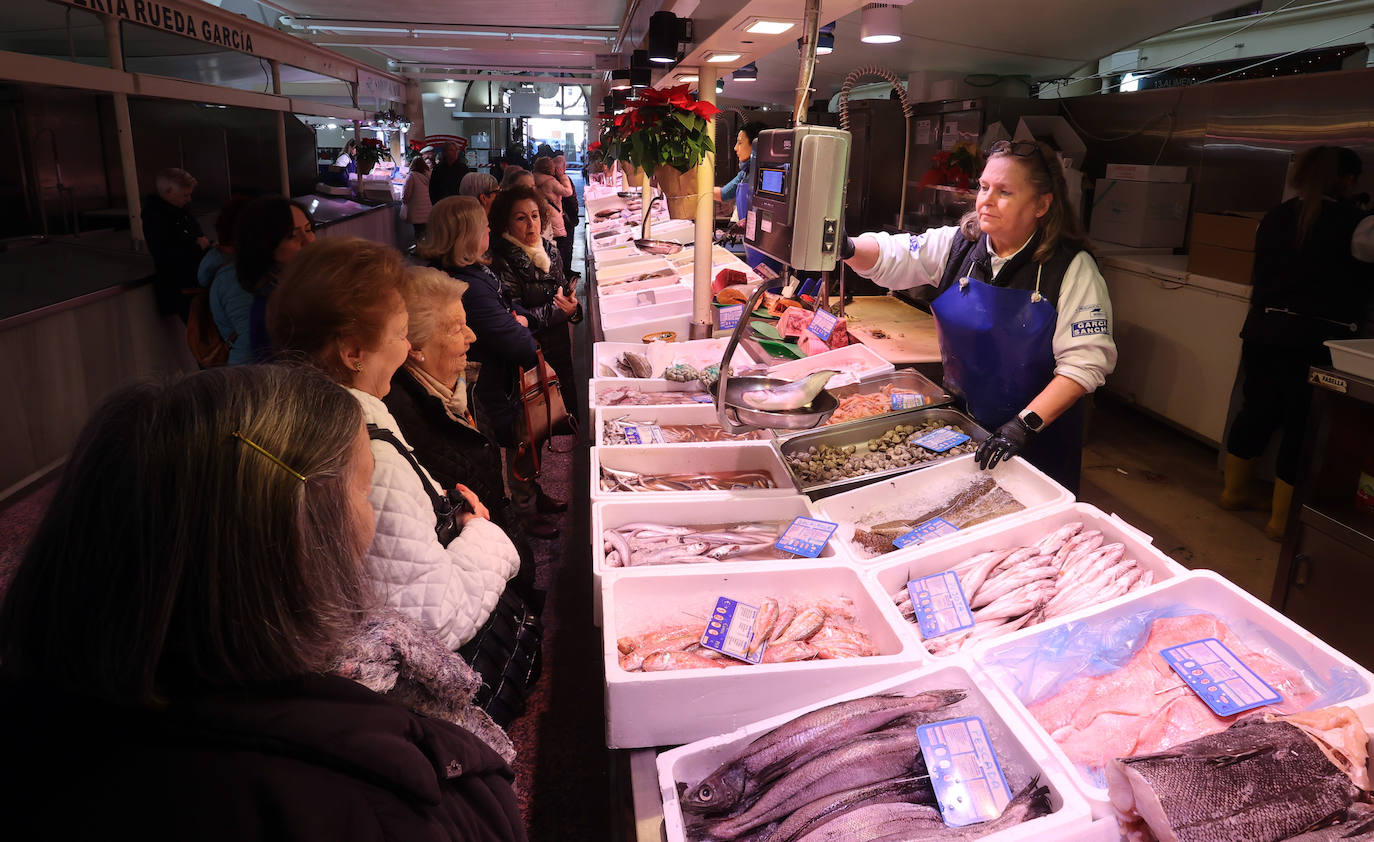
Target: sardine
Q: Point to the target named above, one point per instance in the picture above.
(794, 395)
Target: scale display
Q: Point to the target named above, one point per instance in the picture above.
(798, 184)
(772, 180)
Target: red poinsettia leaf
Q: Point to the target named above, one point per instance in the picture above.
(705, 110)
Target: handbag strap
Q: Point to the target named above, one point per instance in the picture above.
(443, 508)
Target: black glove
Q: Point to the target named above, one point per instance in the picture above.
(846, 247)
(1009, 440)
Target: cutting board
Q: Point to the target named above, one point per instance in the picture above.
(893, 329)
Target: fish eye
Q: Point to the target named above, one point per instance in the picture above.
(704, 793)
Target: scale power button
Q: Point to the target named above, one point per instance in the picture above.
(828, 232)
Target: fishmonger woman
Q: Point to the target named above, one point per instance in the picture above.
(1023, 316)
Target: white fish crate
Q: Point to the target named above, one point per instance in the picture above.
(669, 708)
(642, 297)
(854, 362)
(697, 414)
(672, 513)
(652, 389)
(919, 560)
(1199, 590)
(698, 353)
(1018, 748)
(1031, 487)
(631, 325)
(620, 269)
(671, 459)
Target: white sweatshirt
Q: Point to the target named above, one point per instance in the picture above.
(1083, 347)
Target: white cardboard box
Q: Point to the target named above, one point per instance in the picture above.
(1141, 213)
(671, 459)
(1012, 532)
(669, 708)
(1020, 751)
(1201, 590)
(1020, 478)
(1145, 172)
(670, 512)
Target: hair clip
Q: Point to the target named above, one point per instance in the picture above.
(241, 437)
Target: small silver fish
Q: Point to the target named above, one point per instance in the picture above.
(794, 395)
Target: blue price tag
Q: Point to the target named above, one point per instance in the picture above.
(728, 317)
(730, 629)
(907, 400)
(823, 324)
(703, 398)
(642, 433)
(1219, 678)
(933, 528)
(941, 607)
(964, 771)
(941, 440)
(806, 536)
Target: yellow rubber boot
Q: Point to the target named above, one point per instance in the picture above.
(1278, 516)
(1236, 493)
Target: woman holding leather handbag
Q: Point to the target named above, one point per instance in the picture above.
(458, 244)
(436, 556)
(530, 267)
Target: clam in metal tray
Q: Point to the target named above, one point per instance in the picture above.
(741, 414)
(858, 433)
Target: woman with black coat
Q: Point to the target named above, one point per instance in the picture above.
(530, 267)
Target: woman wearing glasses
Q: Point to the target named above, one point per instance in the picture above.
(1023, 315)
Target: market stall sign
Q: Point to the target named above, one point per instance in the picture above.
(173, 19)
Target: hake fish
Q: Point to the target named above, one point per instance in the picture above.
(907, 822)
(794, 395)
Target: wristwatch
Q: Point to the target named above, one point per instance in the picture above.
(1033, 422)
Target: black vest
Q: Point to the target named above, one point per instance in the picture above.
(973, 260)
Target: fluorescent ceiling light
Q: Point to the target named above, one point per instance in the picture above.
(687, 77)
(333, 28)
(880, 24)
(759, 26)
(722, 57)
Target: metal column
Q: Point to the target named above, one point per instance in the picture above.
(705, 220)
(284, 170)
(124, 131)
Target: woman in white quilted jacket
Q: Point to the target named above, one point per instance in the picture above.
(340, 307)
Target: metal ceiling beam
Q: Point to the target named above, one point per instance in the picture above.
(389, 40)
(588, 33)
(492, 77)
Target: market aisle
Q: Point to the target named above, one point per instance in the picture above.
(1167, 484)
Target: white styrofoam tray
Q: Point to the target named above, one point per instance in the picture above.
(652, 389)
(634, 325)
(623, 510)
(698, 353)
(1032, 488)
(854, 362)
(1353, 356)
(668, 708)
(671, 459)
(643, 296)
(631, 289)
(900, 567)
(1200, 590)
(1021, 752)
(697, 414)
(608, 275)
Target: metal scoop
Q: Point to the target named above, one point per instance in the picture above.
(649, 246)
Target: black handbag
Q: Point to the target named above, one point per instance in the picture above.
(507, 652)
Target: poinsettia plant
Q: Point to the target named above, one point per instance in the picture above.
(661, 128)
(957, 166)
(370, 151)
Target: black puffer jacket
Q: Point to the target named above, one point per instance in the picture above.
(529, 285)
(313, 758)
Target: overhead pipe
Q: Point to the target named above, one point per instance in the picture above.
(807, 68)
(850, 81)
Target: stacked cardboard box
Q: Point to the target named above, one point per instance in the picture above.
(1142, 206)
(1223, 246)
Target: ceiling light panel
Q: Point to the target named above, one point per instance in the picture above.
(762, 26)
(722, 57)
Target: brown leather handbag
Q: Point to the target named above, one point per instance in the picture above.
(542, 402)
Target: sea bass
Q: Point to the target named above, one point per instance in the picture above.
(794, 395)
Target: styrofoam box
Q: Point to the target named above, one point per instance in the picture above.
(631, 325)
(698, 353)
(625, 289)
(623, 511)
(902, 566)
(704, 413)
(1353, 356)
(612, 258)
(611, 303)
(668, 708)
(1016, 746)
(1202, 590)
(651, 388)
(1018, 477)
(681, 231)
(629, 268)
(671, 459)
(622, 253)
(612, 241)
(867, 364)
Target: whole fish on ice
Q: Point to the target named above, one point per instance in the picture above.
(794, 395)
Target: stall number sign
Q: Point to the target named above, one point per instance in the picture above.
(730, 630)
(933, 528)
(940, 605)
(941, 440)
(1219, 678)
(964, 770)
(806, 536)
(822, 325)
(728, 317)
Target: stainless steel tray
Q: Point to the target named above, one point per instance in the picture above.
(905, 378)
(858, 432)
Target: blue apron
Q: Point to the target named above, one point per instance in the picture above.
(997, 346)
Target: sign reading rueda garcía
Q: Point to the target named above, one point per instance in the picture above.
(173, 18)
